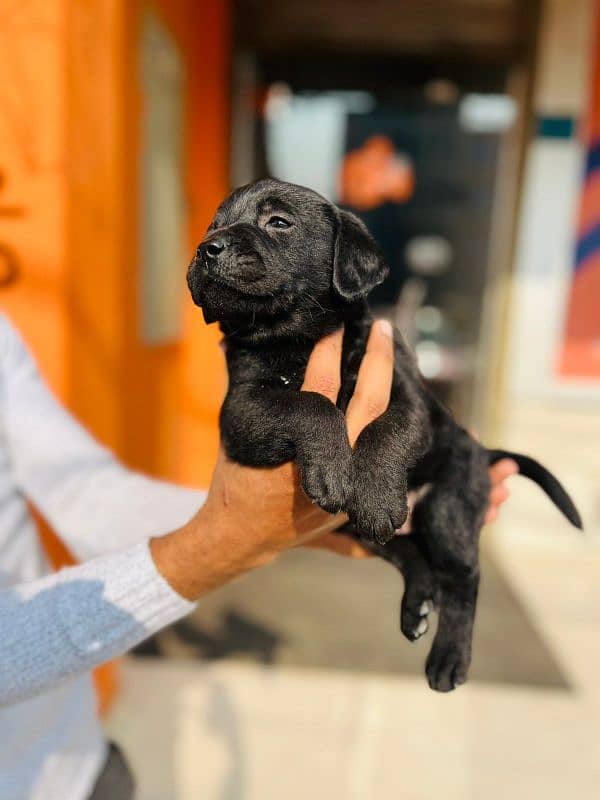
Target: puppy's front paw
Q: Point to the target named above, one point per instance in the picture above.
(376, 523)
(326, 484)
(447, 665)
(378, 505)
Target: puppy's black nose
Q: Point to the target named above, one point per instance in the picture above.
(213, 249)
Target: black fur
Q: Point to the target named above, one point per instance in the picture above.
(279, 268)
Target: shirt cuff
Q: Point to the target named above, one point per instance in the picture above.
(110, 604)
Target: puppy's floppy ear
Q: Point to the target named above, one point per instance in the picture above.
(358, 263)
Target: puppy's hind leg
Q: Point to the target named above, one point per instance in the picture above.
(421, 593)
(449, 520)
(421, 596)
(450, 656)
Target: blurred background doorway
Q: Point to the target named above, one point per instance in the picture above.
(416, 128)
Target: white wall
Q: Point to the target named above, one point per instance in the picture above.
(545, 239)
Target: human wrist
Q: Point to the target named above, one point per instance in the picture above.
(207, 552)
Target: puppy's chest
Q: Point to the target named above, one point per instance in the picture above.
(289, 373)
(288, 378)
(286, 370)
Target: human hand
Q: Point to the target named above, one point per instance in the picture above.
(346, 545)
(251, 515)
(499, 494)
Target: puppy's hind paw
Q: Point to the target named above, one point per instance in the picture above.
(426, 608)
(414, 616)
(447, 667)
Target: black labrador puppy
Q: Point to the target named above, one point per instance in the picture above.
(279, 268)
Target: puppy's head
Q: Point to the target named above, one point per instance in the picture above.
(275, 250)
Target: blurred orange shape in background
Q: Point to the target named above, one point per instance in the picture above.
(374, 174)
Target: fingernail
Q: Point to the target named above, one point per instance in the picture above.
(385, 327)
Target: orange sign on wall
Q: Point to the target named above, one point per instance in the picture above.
(375, 174)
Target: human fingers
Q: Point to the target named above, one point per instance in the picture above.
(323, 370)
(374, 383)
(502, 470)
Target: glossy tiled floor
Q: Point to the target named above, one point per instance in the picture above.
(240, 731)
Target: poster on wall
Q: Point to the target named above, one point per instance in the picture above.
(580, 351)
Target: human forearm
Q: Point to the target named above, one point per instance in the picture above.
(66, 623)
(227, 538)
(201, 556)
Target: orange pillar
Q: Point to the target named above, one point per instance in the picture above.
(156, 405)
(203, 31)
(98, 221)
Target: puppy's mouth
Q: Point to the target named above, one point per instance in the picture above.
(243, 276)
(229, 283)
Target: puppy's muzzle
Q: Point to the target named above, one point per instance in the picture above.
(231, 260)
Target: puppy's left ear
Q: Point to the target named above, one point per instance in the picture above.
(358, 263)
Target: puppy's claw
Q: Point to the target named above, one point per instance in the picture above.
(426, 608)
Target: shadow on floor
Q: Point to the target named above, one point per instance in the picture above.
(318, 610)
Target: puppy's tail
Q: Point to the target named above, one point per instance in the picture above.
(536, 472)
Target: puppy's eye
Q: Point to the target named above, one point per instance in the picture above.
(279, 222)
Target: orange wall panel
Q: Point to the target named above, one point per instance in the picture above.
(32, 179)
(203, 31)
(156, 405)
(174, 391)
(97, 225)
